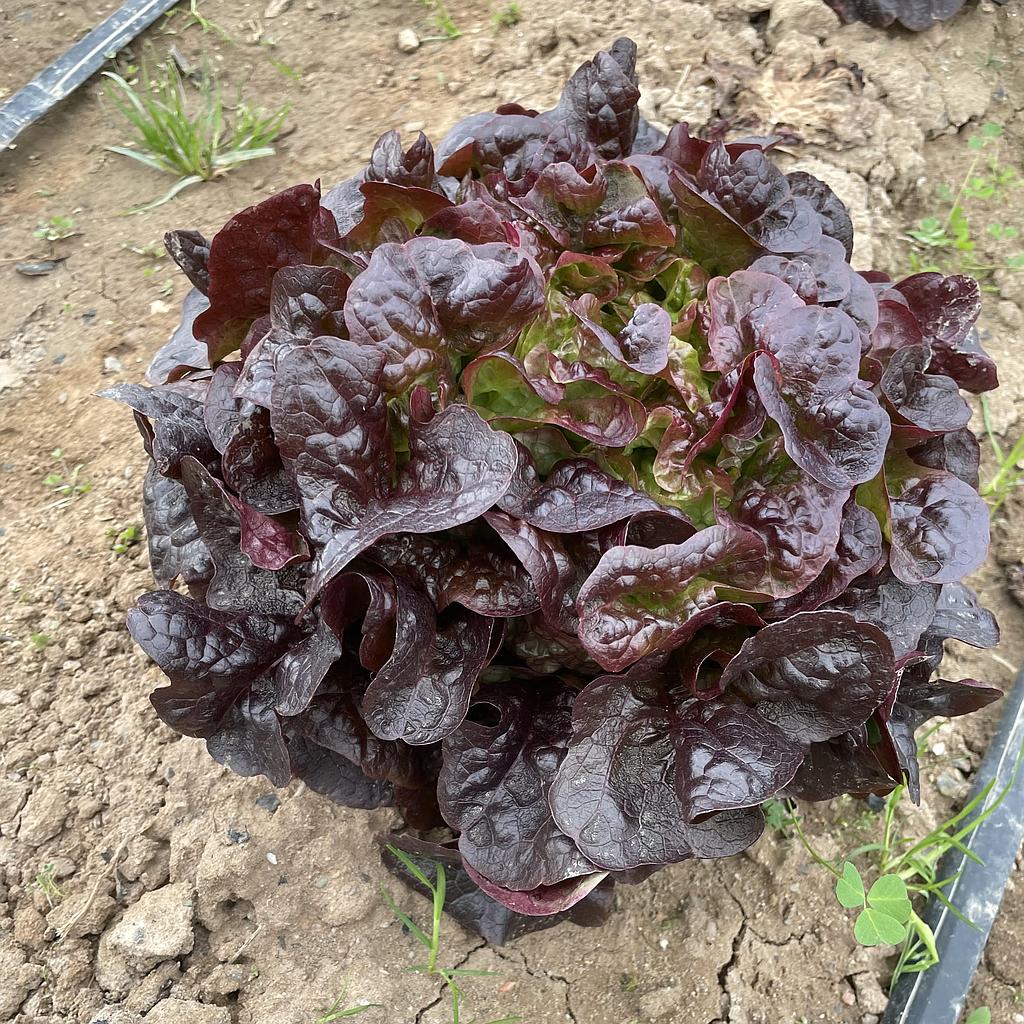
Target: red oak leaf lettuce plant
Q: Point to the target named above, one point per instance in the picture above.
(565, 487)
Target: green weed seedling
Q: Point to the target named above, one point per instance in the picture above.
(905, 868)
(123, 539)
(39, 641)
(56, 229)
(432, 942)
(194, 137)
(335, 1012)
(443, 21)
(1008, 475)
(947, 243)
(66, 480)
(46, 884)
(508, 16)
(982, 1015)
(194, 17)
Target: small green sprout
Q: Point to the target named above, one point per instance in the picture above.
(56, 229)
(123, 539)
(66, 480)
(432, 942)
(508, 16)
(443, 21)
(48, 886)
(40, 641)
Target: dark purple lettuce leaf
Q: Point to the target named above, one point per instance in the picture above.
(958, 452)
(303, 668)
(831, 210)
(599, 102)
(210, 658)
(175, 420)
(244, 257)
(545, 557)
(832, 424)
(897, 329)
(930, 402)
(422, 693)
(938, 524)
(193, 643)
(858, 552)
(307, 301)
(902, 611)
(737, 205)
(602, 206)
(846, 764)
(641, 766)
(639, 601)
(419, 301)
(472, 907)
(947, 309)
(248, 738)
(643, 342)
(814, 675)
(494, 782)
(183, 351)
(543, 900)
(917, 15)
(741, 308)
(191, 251)
(237, 584)
(176, 551)
(335, 776)
(798, 518)
(487, 580)
(958, 616)
(329, 418)
(333, 720)
(577, 497)
(458, 468)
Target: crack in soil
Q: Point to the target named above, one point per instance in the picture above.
(444, 987)
(542, 974)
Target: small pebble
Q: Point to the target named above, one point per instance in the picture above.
(947, 784)
(408, 41)
(939, 748)
(239, 836)
(272, 857)
(321, 881)
(268, 802)
(663, 943)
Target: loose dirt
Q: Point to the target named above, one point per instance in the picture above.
(139, 878)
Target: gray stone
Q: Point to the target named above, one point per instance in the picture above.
(158, 927)
(408, 41)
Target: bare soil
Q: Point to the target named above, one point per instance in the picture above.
(197, 897)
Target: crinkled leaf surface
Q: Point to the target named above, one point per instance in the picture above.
(641, 767)
(638, 601)
(494, 783)
(815, 675)
(833, 426)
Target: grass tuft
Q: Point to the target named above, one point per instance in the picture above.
(194, 137)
